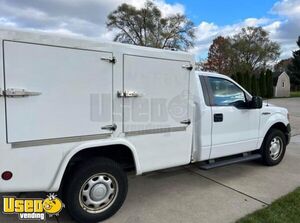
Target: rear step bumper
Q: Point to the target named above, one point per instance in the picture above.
(229, 161)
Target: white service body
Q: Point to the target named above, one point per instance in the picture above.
(58, 93)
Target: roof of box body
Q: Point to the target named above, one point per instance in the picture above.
(83, 43)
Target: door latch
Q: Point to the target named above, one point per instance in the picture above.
(112, 127)
(186, 122)
(13, 93)
(109, 59)
(127, 94)
(188, 67)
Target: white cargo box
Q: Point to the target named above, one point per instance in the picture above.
(53, 84)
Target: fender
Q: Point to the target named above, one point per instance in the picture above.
(92, 144)
(275, 118)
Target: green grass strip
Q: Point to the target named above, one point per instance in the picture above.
(283, 210)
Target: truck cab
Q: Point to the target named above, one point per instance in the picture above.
(235, 121)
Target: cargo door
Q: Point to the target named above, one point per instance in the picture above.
(155, 94)
(56, 92)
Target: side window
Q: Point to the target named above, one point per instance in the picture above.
(224, 92)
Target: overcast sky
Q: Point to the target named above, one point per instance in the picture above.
(211, 17)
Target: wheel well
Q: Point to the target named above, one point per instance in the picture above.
(282, 127)
(118, 153)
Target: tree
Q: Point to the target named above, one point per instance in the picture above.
(269, 84)
(247, 83)
(254, 90)
(253, 49)
(240, 78)
(147, 27)
(282, 66)
(262, 84)
(218, 56)
(233, 76)
(250, 50)
(294, 68)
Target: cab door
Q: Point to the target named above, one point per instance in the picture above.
(234, 128)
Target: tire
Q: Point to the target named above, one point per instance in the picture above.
(96, 190)
(273, 148)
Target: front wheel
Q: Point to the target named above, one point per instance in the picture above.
(96, 190)
(273, 148)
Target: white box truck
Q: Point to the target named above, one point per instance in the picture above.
(76, 115)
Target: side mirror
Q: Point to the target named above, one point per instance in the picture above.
(256, 102)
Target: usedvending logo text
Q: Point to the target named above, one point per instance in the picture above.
(32, 208)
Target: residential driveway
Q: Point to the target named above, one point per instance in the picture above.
(187, 194)
(293, 105)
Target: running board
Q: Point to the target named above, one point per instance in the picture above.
(214, 164)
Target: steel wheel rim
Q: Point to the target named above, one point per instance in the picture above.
(275, 148)
(98, 193)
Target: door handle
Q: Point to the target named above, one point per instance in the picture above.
(112, 127)
(186, 122)
(218, 117)
(127, 94)
(188, 67)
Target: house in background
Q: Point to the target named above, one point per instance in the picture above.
(282, 86)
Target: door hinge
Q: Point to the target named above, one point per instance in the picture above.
(112, 60)
(13, 93)
(112, 127)
(188, 67)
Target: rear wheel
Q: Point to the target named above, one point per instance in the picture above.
(96, 190)
(273, 148)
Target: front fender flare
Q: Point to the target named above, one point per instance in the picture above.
(274, 119)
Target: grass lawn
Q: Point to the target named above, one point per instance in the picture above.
(283, 210)
(295, 94)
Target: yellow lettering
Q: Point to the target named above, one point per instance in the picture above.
(13, 205)
(28, 206)
(19, 206)
(38, 206)
(8, 204)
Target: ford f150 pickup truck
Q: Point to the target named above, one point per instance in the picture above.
(76, 115)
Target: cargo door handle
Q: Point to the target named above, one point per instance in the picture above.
(186, 122)
(218, 117)
(128, 94)
(109, 59)
(188, 67)
(112, 127)
(13, 93)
